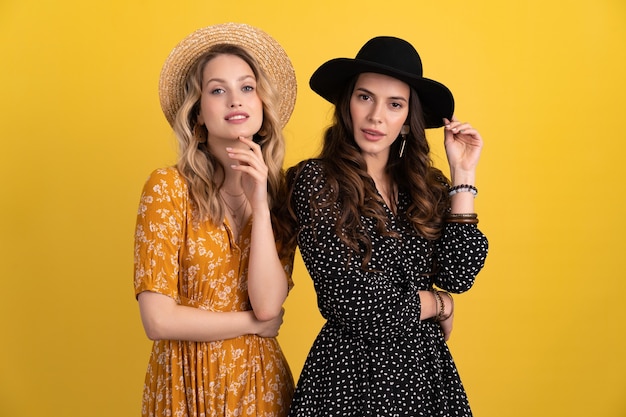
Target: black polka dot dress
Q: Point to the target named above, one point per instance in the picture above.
(374, 357)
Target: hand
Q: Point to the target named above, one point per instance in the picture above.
(463, 146)
(254, 171)
(270, 328)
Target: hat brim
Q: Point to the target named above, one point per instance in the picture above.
(331, 77)
(266, 50)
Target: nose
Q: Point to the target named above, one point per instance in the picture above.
(375, 114)
(235, 100)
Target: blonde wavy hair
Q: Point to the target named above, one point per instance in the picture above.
(196, 163)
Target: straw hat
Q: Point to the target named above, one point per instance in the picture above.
(390, 56)
(265, 49)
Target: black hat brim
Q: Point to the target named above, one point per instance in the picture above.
(330, 79)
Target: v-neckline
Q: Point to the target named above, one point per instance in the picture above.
(236, 238)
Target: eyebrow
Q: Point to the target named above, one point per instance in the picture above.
(221, 80)
(369, 93)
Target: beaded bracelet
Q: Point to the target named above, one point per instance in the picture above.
(463, 188)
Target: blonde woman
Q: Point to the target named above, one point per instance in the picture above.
(210, 277)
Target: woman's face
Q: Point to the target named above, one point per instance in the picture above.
(229, 104)
(379, 106)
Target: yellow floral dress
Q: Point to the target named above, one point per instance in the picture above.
(201, 265)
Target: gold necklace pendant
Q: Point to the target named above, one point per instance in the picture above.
(238, 214)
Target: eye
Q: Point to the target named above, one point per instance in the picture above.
(396, 105)
(217, 91)
(248, 88)
(364, 97)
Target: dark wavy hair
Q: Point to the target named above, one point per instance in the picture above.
(350, 192)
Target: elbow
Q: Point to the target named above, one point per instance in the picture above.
(464, 288)
(154, 329)
(157, 312)
(155, 326)
(152, 335)
(464, 285)
(267, 314)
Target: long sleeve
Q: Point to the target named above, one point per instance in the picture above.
(382, 299)
(461, 254)
(372, 303)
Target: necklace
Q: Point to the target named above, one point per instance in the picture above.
(232, 195)
(234, 212)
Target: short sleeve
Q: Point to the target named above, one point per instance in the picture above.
(159, 232)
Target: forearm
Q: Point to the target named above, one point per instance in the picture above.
(428, 305)
(435, 304)
(267, 281)
(163, 318)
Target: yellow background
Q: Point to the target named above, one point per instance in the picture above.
(543, 331)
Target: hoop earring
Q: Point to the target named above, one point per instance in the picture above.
(403, 132)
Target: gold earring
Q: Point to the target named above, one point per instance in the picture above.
(200, 136)
(403, 132)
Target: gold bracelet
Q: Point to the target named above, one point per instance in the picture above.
(438, 300)
(462, 215)
(451, 306)
(462, 220)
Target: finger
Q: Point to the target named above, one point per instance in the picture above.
(246, 157)
(464, 127)
(251, 144)
(454, 125)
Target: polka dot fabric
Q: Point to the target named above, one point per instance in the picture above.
(374, 357)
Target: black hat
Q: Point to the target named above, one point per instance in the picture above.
(393, 57)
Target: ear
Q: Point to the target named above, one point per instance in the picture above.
(405, 130)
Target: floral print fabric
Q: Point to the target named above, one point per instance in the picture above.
(201, 265)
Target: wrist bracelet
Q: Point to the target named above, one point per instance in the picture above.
(451, 306)
(463, 188)
(462, 215)
(466, 218)
(438, 300)
(461, 220)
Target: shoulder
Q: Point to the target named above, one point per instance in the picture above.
(166, 176)
(308, 173)
(165, 182)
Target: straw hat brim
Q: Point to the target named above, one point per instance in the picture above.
(266, 50)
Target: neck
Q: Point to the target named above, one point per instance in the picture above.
(217, 148)
(228, 177)
(376, 165)
(386, 189)
(232, 183)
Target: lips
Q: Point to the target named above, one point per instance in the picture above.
(372, 134)
(237, 117)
